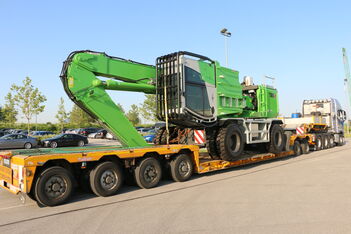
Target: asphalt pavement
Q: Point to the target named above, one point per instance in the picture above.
(306, 194)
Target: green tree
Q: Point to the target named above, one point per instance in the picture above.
(148, 108)
(121, 107)
(2, 117)
(133, 114)
(79, 117)
(61, 115)
(9, 110)
(29, 99)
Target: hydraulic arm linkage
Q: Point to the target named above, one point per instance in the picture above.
(79, 77)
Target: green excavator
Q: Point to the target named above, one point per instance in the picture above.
(192, 92)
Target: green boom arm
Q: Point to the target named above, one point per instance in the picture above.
(79, 78)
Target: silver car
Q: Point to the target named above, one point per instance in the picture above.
(13, 141)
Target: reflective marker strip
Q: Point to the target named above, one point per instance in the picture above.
(300, 131)
(199, 136)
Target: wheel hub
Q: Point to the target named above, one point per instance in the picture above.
(183, 168)
(55, 187)
(108, 179)
(150, 173)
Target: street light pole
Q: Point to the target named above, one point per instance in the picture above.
(226, 34)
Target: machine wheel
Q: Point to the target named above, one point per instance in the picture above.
(53, 144)
(81, 143)
(161, 138)
(325, 139)
(27, 145)
(230, 142)
(106, 179)
(181, 167)
(276, 142)
(287, 136)
(318, 142)
(305, 147)
(297, 148)
(54, 186)
(211, 144)
(148, 173)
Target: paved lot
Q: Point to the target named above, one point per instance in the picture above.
(306, 194)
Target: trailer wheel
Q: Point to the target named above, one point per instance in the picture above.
(54, 186)
(106, 179)
(318, 142)
(148, 173)
(297, 148)
(305, 147)
(341, 141)
(276, 142)
(211, 144)
(181, 167)
(230, 142)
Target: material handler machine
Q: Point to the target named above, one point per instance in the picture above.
(192, 92)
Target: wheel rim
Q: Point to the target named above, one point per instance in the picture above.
(55, 187)
(53, 144)
(109, 180)
(81, 143)
(184, 168)
(27, 146)
(235, 142)
(319, 143)
(150, 173)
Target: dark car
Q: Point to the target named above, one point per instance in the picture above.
(41, 133)
(66, 139)
(87, 131)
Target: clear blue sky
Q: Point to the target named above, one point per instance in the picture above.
(298, 42)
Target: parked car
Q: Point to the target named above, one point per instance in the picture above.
(159, 125)
(41, 133)
(66, 139)
(13, 141)
(87, 131)
(101, 134)
(150, 138)
(110, 136)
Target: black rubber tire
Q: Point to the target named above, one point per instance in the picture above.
(287, 136)
(141, 176)
(325, 141)
(341, 141)
(211, 144)
(27, 145)
(332, 141)
(81, 143)
(229, 136)
(161, 138)
(276, 143)
(318, 142)
(305, 147)
(62, 176)
(102, 170)
(53, 144)
(297, 148)
(181, 168)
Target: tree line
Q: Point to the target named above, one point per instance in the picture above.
(30, 102)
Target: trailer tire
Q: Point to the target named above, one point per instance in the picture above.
(276, 142)
(54, 186)
(318, 142)
(341, 141)
(211, 144)
(181, 167)
(230, 142)
(148, 173)
(297, 148)
(106, 179)
(305, 147)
